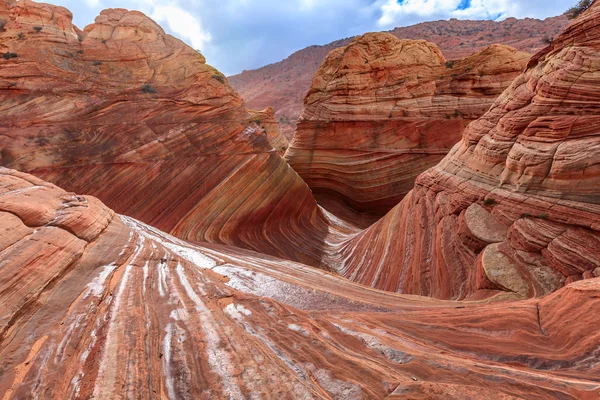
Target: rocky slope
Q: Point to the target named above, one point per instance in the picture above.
(131, 115)
(515, 205)
(283, 85)
(99, 305)
(382, 110)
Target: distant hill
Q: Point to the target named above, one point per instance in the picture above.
(283, 85)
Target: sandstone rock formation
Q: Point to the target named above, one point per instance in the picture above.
(266, 120)
(129, 114)
(99, 305)
(382, 110)
(284, 84)
(515, 205)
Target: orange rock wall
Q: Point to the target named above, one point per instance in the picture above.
(99, 305)
(382, 110)
(129, 114)
(514, 206)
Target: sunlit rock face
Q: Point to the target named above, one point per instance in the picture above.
(129, 114)
(382, 110)
(97, 305)
(515, 205)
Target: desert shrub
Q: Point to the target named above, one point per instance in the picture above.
(147, 88)
(543, 216)
(96, 63)
(38, 29)
(8, 55)
(577, 9)
(2, 24)
(220, 78)
(547, 40)
(450, 64)
(20, 36)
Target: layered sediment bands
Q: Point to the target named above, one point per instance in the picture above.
(382, 110)
(515, 205)
(129, 114)
(99, 305)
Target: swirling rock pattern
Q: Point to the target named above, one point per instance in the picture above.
(129, 114)
(382, 110)
(515, 205)
(99, 305)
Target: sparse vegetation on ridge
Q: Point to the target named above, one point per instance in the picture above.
(218, 77)
(577, 9)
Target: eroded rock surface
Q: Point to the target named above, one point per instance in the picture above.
(99, 305)
(135, 117)
(382, 110)
(532, 162)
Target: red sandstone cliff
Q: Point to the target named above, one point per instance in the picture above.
(284, 84)
(382, 110)
(129, 114)
(514, 207)
(99, 305)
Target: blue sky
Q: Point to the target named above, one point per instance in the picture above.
(245, 34)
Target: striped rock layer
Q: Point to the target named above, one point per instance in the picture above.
(382, 110)
(515, 205)
(129, 114)
(97, 305)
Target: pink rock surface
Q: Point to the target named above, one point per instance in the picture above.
(532, 162)
(382, 110)
(129, 114)
(100, 305)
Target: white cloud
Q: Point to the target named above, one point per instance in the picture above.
(182, 24)
(245, 34)
(93, 3)
(394, 12)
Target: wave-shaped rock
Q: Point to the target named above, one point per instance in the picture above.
(515, 205)
(382, 110)
(135, 117)
(100, 305)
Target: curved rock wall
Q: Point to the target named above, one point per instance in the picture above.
(515, 205)
(99, 305)
(382, 110)
(129, 114)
